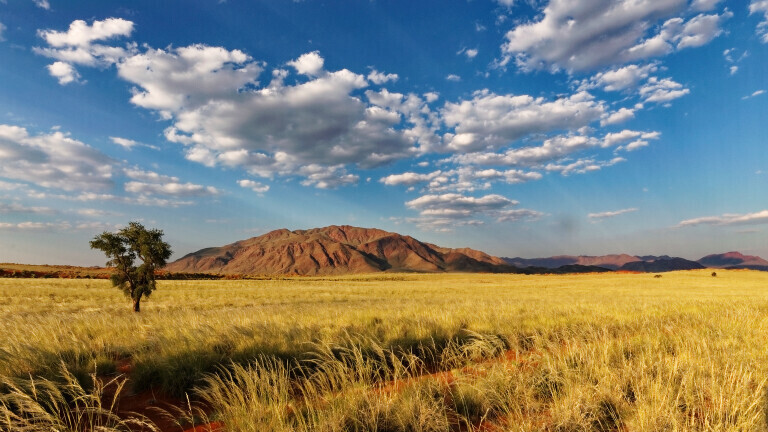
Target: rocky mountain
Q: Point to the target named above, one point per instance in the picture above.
(611, 262)
(732, 259)
(662, 265)
(335, 250)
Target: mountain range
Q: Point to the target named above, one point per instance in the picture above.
(336, 250)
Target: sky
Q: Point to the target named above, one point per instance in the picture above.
(520, 128)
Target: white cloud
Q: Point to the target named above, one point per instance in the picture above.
(733, 70)
(514, 215)
(35, 226)
(379, 78)
(443, 212)
(2, 30)
(582, 166)
(187, 78)
(760, 7)
(308, 64)
(760, 217)
(89, 212)
(170, 189)
(129, 144)
(275, 129)
(461, 179)
(584, 35)
(701, 29)
(469, 52)
(553, 149)
(6, 208)
(456, 203)
(255, 186)
(323, 177)
(704, 5)
(619, 79)
(64, 72)
(453, 77)
(77, 45)
(408, 178)
(431, 96)
(662, 90)
(616, 117)
(52, 160)
(152, 183)
(42, 4)
(755, 93)
(610, 214)
(80, 34)
(492, 121)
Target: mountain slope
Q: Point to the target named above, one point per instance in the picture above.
(612, 262)
(731, 259)
(662, 265)
(335, 250)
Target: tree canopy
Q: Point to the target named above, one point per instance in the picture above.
(123, 248)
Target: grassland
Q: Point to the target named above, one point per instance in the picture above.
(398, 352)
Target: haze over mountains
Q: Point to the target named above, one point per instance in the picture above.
(336, 250)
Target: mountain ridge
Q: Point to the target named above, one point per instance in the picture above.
(335, 250)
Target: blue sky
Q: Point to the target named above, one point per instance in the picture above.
(521, 128)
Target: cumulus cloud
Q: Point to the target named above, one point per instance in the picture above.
(78, 45)
(760, 217)
(64, 72)
(610, 214)
(582, 166)
(457, 204)
(323, 177)
(761, 7)
(514, 215)
(619, 79)
(470, 53)
(443, 212)
(43, 4)
(701, 29)
(35, 226)
(379, 78)
(308, 64)
(52, 160)
(461, 179)
(129, 144)
(553, 149)
(491, 121)
(453, 77)
(170, 189)
(585, 35)
(619, 116)
(152, 183)
(662, 90)
(13, 207)
(408, 178)
(704, 5)
(255, 186)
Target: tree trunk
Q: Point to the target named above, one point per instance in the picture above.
(137, 304)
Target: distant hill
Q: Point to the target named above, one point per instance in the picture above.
(335, 250)
(611, 262)
(733, 259)
(662, 265)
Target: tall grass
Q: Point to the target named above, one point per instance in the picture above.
(686, 352)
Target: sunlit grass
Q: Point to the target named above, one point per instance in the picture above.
(686, 351)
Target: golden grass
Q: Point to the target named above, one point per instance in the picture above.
(685, 352)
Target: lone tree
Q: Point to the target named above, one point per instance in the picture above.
(123, 247)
